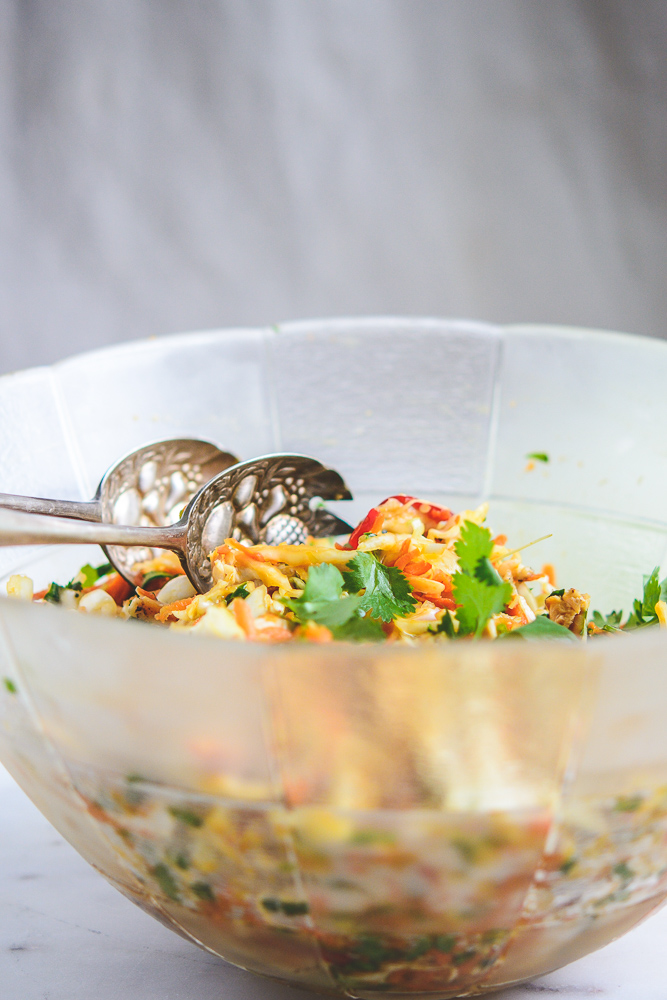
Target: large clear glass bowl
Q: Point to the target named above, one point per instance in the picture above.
(413, 821)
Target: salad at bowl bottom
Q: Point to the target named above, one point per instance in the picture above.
(375, 900)
(411, 571)
(363, 903)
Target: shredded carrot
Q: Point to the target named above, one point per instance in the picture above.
(377, 524)
(500, 540)
(244, 617)
(40, 595)
(314, 632)
(440, 602)
(417, 568)
(273, 634)
(118, 588)
(241, 552)
(422, 585)
(549, 571)
(168, 609)
(404, 556)
(296, 790)
(147, 595)
(517, 613)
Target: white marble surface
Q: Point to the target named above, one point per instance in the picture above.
(65, 934)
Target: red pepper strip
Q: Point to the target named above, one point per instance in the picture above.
(363, 527)
(401, 497)
(429, 509)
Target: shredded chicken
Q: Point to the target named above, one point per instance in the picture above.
(568, 609)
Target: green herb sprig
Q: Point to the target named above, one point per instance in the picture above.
(478, 588)
(323, 602)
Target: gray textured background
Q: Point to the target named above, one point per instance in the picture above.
(178, 164)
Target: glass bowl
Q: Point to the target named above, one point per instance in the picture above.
(410, 821)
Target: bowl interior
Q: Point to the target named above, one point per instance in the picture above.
(446, 410)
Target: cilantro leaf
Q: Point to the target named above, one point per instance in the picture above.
(88, 575)
(156, 575)
(357, 629)
(478, 602)
(538, 456)
(322, 601)
(53, 593)
(487, 572)
(541, 628)
(333, 614)
(478, 588)
(446, 626)
(322, 598)
(474, 544)
(388, 594)
(323, 583)
(241, 591)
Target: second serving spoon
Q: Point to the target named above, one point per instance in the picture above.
(272, 499)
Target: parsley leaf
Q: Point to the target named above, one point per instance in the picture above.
(651, 592)
(610, 622)
(478, 588)
(644, 609)
(541, 628)
(388, 594)
(538, 456)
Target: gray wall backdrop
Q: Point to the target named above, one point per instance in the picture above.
(178, 164)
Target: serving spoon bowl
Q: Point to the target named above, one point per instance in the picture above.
(147, 487)
(274, 498)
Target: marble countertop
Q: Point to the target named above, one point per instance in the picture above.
(65, 934)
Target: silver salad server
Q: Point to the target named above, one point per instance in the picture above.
(272, 499)
(149, 487)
